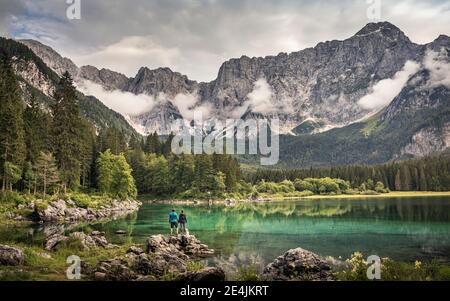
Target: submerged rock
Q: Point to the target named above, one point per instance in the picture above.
(11, 256)
(95, 240)
(53, 241)
(298, 264)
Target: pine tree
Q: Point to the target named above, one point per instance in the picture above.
(135, 143)
(158, 174)
(29, 178)
(87, 140)
(12, 141)
(166, 147)
(152, 144)
(46, 171)
(37, 130)
(112, 139)
(182, 171)
(67, 133)
(204, 176)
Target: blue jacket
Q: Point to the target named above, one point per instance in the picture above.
(173, 217)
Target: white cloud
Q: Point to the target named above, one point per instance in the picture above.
(196, 37)
(386, 90)
(125, 103)
(263, 100)
(129, 54)
(260, 100)
(439, 67)
(188, 105)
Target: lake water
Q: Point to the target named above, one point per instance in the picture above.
(405, 229)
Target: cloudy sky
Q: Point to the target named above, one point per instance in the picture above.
(195, 37)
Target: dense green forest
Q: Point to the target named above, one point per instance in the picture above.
(51, 152)
(426, 174)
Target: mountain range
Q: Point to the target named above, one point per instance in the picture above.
(372, 98)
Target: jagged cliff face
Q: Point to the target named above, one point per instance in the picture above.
(162, 80)
(31, 74)
(108, 79)
(323, 83)
(428, 141)
(51, 58)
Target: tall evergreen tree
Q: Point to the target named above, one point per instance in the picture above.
(112, 139)
(37, 130)
(47, 174)
(152, 144)
(12, 140)
(204, 177)
(67, 132)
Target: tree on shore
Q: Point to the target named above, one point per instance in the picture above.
(114, 176)
(67, 133)
(46, 171)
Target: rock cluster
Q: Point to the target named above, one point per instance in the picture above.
(181, 245)
(165, 256)
(300, 265)
(66, 211)
(95, 240)
(11, 256)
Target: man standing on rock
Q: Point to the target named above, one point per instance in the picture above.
(173, 220)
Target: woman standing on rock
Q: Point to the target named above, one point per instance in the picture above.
(182, 220)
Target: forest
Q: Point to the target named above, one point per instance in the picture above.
(425, 174)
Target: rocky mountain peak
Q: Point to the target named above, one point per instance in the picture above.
(442, 41)
(385, 28)
(161, 80)
(51, 58)
(110, 80)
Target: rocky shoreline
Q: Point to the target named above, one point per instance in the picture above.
(175, 258)
(62, 211)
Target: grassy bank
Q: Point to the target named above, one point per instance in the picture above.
(41, 265)
(397, 194)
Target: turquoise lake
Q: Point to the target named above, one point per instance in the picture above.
(405, 229)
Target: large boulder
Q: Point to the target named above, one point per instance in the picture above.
(206, 274)
(298, 264)
(114, 270)
(11, 256)
(184, 246)
(161, 264)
